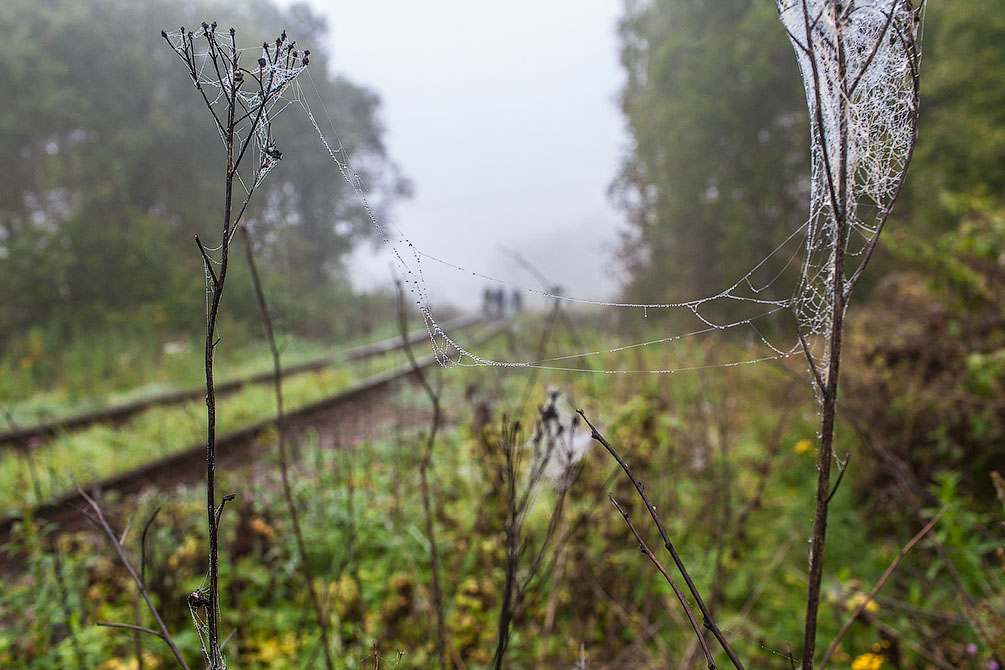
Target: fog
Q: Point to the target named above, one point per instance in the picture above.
(505, 119)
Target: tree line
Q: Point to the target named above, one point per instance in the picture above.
(110, 168)
(718, 170)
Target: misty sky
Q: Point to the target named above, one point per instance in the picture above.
(504, 116)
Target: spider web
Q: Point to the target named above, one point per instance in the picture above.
(259, 91)
(859, 63)
(255, 96)
(409, 261)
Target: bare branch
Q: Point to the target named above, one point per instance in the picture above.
(142, 629)
(875, 49)
(809, 357)
(424, 465)
(100, 517)
(709, 622)
(666, 575)
(320, 611)
(879, 584)
(208, 262)
(842, 467)
(143, 546)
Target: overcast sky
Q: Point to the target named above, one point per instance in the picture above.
(504, 116)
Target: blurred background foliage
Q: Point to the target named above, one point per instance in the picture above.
(111, 166)
(717, 173)
(717, 176)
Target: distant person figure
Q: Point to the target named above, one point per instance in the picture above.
(500, 303)
(516, 301)
(487, 301)
(556, 292)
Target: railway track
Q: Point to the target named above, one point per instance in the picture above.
(38, 433)
(188, 464)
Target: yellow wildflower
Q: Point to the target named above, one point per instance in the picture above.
(273, 650)
(149, 660)
(261, 527)
(188, 550)
(857, 599)
(867, 662)
(802, 446)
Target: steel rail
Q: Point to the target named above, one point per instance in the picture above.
(31, 436)
(183, 466)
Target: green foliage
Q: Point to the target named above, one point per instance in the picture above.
(715, 179)
(924, 385)
(929, 372)
(717, 172)
(44, 376)
(702, 186)
(699, 445)
(42, 608)
(961, 135)
(114, 165)
(923, 375)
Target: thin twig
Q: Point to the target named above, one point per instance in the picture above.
(666, 575)
(143, 546)
(229, 79)
(320, 611)
(842, 467)
(141, 629)
(838, 196)
(548, 430)
(879, 584)
(806, 352)
(875, 48)
(125, 531)
(100, 517)
(708, 621)
(424, 464)
(208, 262)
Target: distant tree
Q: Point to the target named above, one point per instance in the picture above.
(110, 169)
(716, 173)
(961, 139)
(716, 176)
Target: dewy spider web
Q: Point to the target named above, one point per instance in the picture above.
(864, 52)
(217, 72)
(859, 62)
(875, 68)
(881, 61)
(408, 260)
(219, 76)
